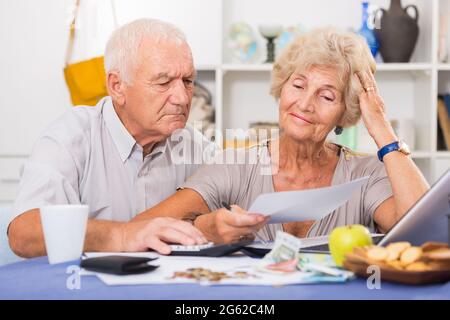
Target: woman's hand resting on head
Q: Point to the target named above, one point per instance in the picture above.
(373, 110)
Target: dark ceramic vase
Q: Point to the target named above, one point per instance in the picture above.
(397, 32)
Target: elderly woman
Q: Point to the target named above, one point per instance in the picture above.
(323, 81)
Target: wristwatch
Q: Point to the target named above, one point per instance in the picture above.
(400, 146)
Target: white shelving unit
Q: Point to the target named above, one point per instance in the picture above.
(443, 67)
(240, 91)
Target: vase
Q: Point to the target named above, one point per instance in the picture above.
(366, 32)
(397, 31)
(270, 32)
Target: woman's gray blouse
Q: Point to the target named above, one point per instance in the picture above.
(248, 174)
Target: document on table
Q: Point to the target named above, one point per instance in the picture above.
(241, 270)
(313, 204)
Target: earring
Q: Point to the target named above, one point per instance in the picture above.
(338, 130)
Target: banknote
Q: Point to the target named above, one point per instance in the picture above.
(284, 256)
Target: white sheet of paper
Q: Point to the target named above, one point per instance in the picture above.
(171, 264)
(313, 204)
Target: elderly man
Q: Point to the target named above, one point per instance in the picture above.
(117, 156)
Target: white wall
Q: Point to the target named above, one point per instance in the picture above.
(33, 39)
(32, 89)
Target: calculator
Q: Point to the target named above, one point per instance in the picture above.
(209, 249)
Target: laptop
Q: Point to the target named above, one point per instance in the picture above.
(427, 220)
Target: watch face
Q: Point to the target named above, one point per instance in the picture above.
(403, 147)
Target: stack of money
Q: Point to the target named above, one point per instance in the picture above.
(286, 247)
(284, 256)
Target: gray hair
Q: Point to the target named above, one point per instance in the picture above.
(345, 51)
(121, 53)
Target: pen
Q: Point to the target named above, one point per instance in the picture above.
(228, 207)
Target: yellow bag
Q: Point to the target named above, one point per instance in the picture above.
(86, 80)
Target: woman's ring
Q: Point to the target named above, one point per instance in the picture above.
(369, 89)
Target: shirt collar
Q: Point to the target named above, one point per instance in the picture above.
(160, 147)
(123, 140)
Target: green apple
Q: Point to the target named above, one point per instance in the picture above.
(343, 239)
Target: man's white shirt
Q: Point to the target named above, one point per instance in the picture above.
(88, 157)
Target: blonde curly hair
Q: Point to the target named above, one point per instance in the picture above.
(344, 51)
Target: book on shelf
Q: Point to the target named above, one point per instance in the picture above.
(444, 123)
(447, 102)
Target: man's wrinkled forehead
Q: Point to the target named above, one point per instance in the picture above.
(170, 74)
(166, 58)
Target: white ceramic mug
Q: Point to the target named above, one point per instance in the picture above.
(64, 231)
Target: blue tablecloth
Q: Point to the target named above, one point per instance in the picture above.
(36, 279)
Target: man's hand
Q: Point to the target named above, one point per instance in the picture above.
(223, 226)
(156, 233)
